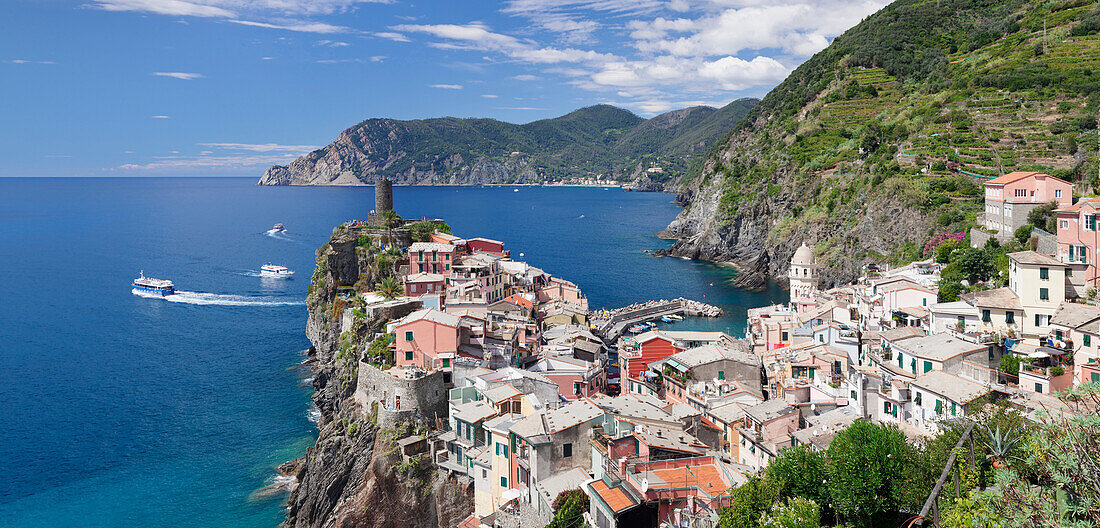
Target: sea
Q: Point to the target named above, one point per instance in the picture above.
(121, 410)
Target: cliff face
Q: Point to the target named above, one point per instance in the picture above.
(600, 140)
(884, 139)
(354, 476)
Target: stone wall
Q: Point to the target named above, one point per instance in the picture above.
(401, 398)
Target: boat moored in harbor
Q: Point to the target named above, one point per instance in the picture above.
(149, 286)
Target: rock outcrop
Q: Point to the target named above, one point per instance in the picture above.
(354, 476)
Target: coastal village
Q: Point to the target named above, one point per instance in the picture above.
(525, 390)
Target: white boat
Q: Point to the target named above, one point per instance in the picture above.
(149, 286)
(274, 270)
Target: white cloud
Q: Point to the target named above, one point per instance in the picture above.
(179, 75)
(267, 58)
(377, 58)
(337, 61)
(389, 35)
(294, 25)
(446, 86)
(261, 147)
(25, 61)
(332, 43)
(489, 96)
(162, 117)
(166, 7)
(526, 77)
(476, 36)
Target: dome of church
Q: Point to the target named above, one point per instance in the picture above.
(804, 256)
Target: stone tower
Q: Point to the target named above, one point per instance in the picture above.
(803, 274)
(383, 196)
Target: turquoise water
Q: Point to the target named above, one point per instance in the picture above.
(121, 410)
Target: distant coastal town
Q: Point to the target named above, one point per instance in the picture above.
(511, 387)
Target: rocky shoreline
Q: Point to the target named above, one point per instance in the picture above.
(354, 475)
(695, 308)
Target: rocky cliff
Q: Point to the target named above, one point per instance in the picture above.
(884, 139)
(354, 476)
(598, 140)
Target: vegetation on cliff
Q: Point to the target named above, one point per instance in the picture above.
(901, 115)
(1025, 473)
(599, 139)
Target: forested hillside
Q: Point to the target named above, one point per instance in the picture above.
(598, 141)
(882, 140)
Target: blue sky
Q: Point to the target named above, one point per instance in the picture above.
(229, 87)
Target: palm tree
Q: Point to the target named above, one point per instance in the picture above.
(389, 288)
(391, 220)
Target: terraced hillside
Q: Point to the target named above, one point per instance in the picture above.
(883, 139)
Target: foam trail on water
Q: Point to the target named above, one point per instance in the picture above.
(275, 233)
(216, 299)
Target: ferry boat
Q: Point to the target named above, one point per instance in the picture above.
(279, 227)
(149, 285)
(274, 270)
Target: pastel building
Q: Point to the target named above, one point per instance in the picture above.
(432, 257)
(1078, 238)
(1009, 198)
(1077, 327)
(427, 339)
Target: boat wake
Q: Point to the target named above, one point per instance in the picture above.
(277, 233)
(217, 299)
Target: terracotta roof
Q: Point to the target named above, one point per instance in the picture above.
(615, 498)
(423, 277)
(958, 390)
(1074, 315)
(1011, 177)
(939, 347)
(707, 477)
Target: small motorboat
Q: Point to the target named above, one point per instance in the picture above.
(279, 227)
(274, 270)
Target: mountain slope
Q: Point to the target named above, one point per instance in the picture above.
(599, 139)
(856, 151)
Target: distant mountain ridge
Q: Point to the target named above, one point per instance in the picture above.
(595, 140)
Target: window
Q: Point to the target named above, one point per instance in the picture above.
(1086, 340)
(1044, 273)
(913, 365)
(1058, 335)
(985, 316)
(576, 387)
(408, 336)
(962, 321)
(504, 482)
(885, 407)
(924, 301)
(917, 399)
(1057, 193)
(1095, 377)
(1063, 224)
(1090, 222)
(408, 355)
(566, 450)
(953, 409)
(484, 474)
(927, 366)
(420, 255)
(721, 374)
(1044, 294)
(446, 362)
(1039, 388)
(939, 406)
(783, 336)
(1010, 317)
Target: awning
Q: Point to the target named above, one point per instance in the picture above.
(676, 365)
(509, 495)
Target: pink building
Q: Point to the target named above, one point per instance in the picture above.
(427, 339)
(1009, 198)
(432, 257)
(564, 290)
(1078, 237)
(418, 284)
